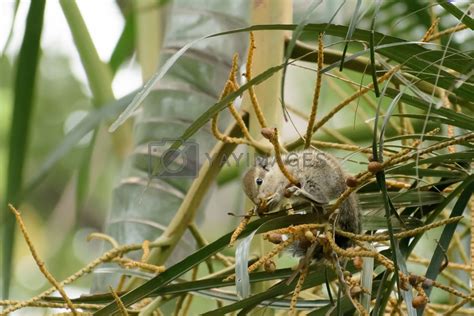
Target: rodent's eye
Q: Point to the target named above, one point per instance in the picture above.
(259, 181)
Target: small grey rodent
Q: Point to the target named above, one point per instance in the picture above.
(320, 177)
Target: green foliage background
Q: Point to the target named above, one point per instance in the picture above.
(66, 188)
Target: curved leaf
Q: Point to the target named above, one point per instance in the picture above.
(446, 236)
(461, 16)
(189, 262)
(25, 82)
(88, 124)
(413, 56)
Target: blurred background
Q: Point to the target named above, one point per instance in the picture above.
(62, 98)
(60, 205)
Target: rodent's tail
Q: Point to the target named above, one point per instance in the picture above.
(349, 220)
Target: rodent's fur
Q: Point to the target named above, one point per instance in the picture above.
(318, 173)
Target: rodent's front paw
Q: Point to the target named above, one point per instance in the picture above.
(290, 190)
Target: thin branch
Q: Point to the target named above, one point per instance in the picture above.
(40, 263)
(106, 257)
(119, 302)
(272, 136)
(248, 74)
(359, 93)
(317, 90)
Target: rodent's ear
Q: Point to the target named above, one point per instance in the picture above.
(262, 162)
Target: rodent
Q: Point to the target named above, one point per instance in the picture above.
(319, 174)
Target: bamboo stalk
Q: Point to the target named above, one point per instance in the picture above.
(149, 35)
(269, 52)
(98, 74)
